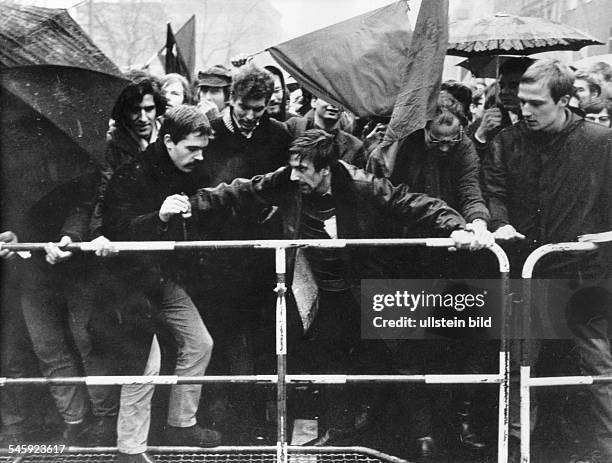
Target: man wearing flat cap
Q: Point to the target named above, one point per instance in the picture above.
(214, 88)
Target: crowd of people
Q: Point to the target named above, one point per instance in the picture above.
(525, 161)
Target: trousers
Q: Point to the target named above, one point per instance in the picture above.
(195, 345)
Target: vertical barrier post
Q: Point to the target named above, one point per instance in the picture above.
(281, 356)
(504, 355)
(525, 372)
(504, 370)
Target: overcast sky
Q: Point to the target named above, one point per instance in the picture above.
(297, 16)
(302, 16)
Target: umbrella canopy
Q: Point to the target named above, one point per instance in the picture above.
(53, 122)
(514, 35)
(33, 35)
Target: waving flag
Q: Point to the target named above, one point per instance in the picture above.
(180, 50)
(422, 74)
(356, 64)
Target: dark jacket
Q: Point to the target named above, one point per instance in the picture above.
(64, 212)
(132, 201)
(454, 177)
(121, 147)
(366, 207)
(228, 156)
(350, 148)
(551, 188)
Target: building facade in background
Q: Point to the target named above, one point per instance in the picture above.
(592, 16)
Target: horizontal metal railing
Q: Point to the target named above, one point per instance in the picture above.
(281, 379)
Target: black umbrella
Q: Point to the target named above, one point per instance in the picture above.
(53, 122)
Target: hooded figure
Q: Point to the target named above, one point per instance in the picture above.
(277, 107)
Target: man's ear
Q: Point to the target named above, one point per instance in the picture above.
(324, 171)
(564, 100)
(168, 141)
(313, 102)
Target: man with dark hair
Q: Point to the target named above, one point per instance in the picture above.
(146, 200)
(547, 180)
(277, 107)
(134, 126)
(321, 197)
(501, 107)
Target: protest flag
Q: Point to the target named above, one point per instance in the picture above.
(356, 64)
(422, 74)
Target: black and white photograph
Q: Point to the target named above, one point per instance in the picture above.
(306, 231)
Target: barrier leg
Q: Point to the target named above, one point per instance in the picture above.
(281, 356)
(525, 413)
(525, 372)
(503, 421)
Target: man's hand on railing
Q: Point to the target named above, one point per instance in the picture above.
(471, 239)
(508, 233)
(483, 237)
(7, 237)
(55, 254)
(103, 247)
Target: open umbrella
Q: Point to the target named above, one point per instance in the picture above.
(506, 34)
(34, 35)
(53, 124)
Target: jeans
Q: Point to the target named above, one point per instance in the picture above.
(134, 418)
(22, 408)
(195, 345)
(57, 298)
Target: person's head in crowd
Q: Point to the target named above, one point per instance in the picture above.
(477, 104)
(510, 75)
(602, 71)
(479, 84)
(450, 103)
(139, 104)
(445, 130)
(277, 107)
(311, 157)
(326, 115)
(305, 102)
(544, 92)
(599, 111)
(176, 89)
(460, 92)
(586, 89)
(250, 93)
(185, 132)
(214, 86)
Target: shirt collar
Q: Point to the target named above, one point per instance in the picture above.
(230, 123)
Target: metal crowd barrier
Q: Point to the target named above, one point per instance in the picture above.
(526, 381)
(284, 452)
